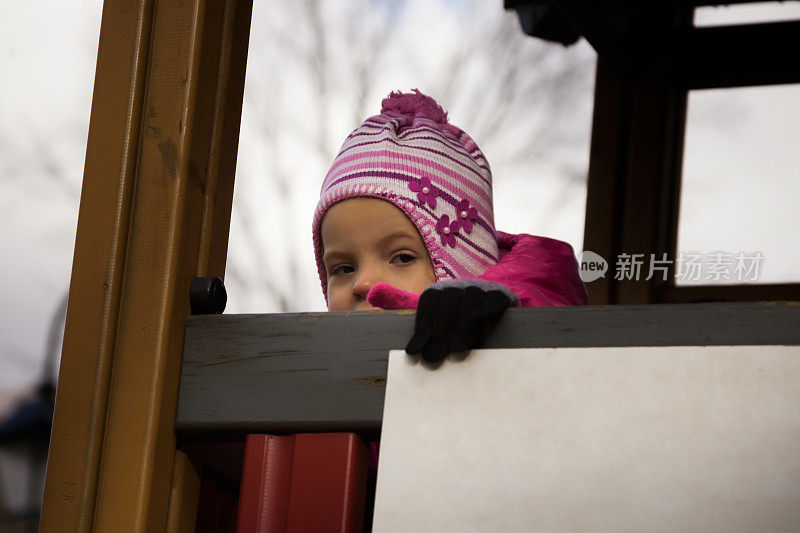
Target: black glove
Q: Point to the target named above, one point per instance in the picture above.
(458, 315)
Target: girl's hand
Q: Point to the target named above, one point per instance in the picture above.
(385, 296)
(452, 316)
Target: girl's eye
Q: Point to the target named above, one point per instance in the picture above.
(403, 258)
(342, 269)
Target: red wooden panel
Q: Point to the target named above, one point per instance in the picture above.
(305, 482)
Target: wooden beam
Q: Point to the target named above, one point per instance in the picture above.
(611, 32)
(155, 209)
(739, 56)
(184, 496)
(636, 154)
(629, 35)
(224, 146)
(299, 372)
(731, 293)
(701, 3)
(634, 174)
(652, 178)
(607, 164)
(97, 267)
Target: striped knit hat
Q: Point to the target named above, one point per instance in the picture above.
(410, 156)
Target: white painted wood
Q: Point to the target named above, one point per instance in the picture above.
(593, 439)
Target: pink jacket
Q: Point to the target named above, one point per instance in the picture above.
(541, 271)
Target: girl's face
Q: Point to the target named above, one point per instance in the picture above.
(366, 241)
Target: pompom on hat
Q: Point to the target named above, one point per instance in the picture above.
(410, 156)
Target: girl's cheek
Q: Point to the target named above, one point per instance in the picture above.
(414, 279)
(333, 297)
(335, 302)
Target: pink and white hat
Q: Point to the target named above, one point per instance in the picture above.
(411, 156)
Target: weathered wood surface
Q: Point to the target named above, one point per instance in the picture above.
(326, 371)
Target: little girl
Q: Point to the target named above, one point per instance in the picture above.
(406, 210)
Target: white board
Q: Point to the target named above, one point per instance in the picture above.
(593, 439)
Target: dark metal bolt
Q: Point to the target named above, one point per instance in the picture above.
(207, 296)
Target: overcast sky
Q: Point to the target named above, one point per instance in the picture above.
(47, 54)
(733, 199)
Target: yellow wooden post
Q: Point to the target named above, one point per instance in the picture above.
(185, 494)
(155, 212)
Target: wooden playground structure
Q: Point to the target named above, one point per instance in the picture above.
(155, 214)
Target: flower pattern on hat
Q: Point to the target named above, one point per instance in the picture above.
(426, 191)
(447, 230)
(466, 214)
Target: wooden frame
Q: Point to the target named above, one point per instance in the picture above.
(155, 212)
(633, 188)
(634, 184)
(738, 56)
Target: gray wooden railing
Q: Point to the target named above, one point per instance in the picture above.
(326, 371)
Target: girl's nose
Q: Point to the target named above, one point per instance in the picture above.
(364, 283)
